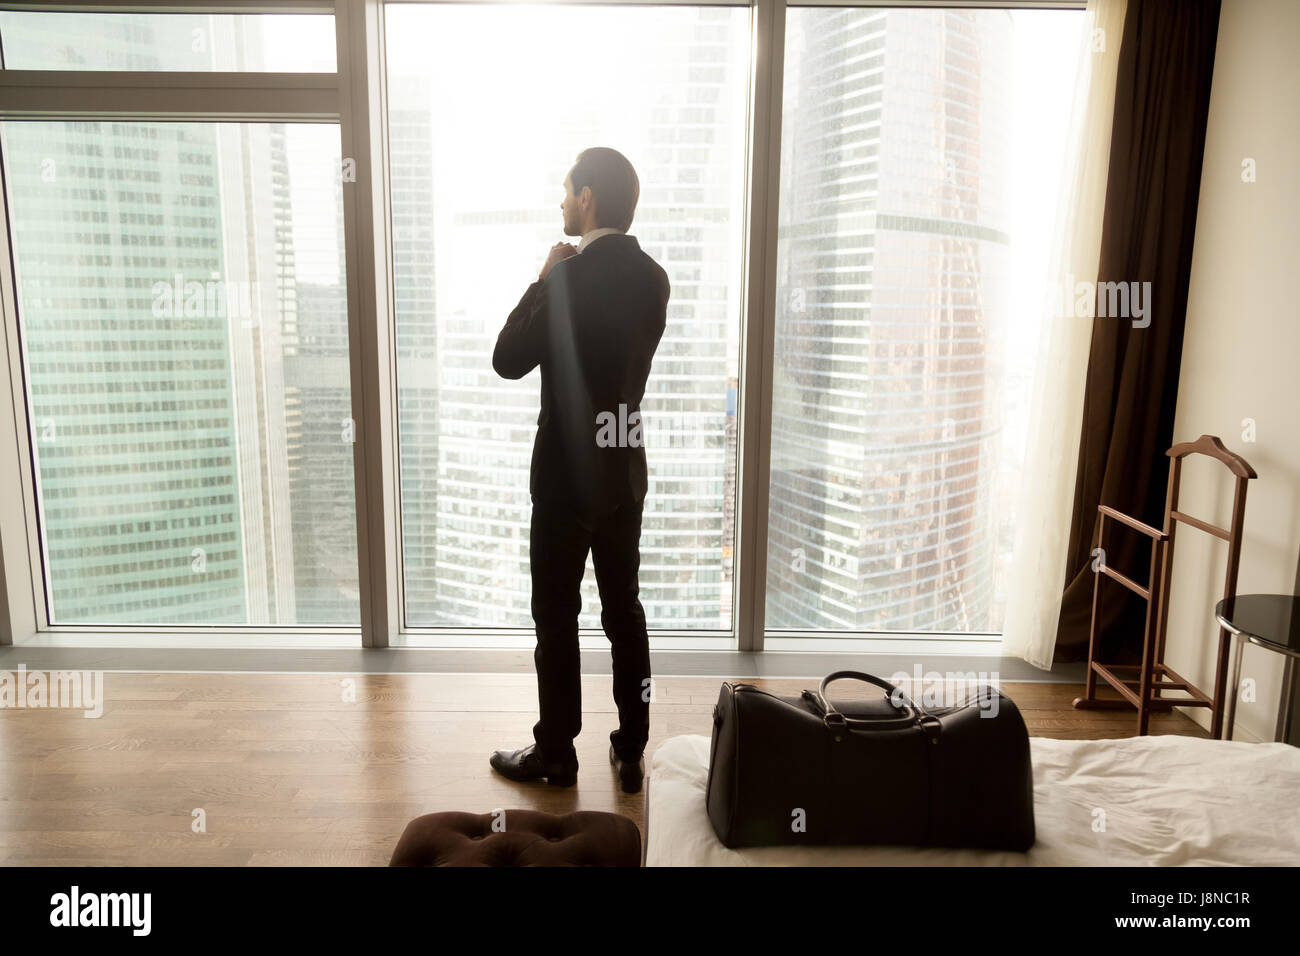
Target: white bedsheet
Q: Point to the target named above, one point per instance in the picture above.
(1166, 800)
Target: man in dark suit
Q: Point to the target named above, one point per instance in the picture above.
(592, 322)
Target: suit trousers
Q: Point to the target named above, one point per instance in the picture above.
(559, 540)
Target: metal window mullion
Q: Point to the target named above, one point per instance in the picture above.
(171, 6)
(359, 31)
(211, 97)
(755, 400)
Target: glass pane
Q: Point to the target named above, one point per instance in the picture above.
(921, 151)
(480, 151)
(179, 42)
(182, 303)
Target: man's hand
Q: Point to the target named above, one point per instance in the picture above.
(559, 251)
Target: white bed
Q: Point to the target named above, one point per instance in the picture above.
(1166, 801)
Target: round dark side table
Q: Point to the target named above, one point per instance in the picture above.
(1271, 621)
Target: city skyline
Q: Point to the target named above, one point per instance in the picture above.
(190, 389)
(465, 436)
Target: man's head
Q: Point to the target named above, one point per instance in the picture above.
(600, 190)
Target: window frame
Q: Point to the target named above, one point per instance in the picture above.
(355, 98)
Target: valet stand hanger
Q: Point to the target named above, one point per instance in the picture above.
(1153, 677)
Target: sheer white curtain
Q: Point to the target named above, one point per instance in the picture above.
(1052, 455)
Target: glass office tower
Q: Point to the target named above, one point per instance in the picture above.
(184, 326)
(891, 290)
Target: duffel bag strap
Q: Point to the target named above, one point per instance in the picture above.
(833, 718)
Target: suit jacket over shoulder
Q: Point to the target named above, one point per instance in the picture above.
(593, 326)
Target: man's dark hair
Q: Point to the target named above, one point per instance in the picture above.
(614, 183)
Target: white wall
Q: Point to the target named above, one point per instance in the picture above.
(1241, 356)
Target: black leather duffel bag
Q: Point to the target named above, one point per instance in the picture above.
(798, 770)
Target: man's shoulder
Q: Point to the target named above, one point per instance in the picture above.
(626, 259)
(624, 254)
(659, 272)
(651, 264)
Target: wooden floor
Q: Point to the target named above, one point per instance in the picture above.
(285, 772)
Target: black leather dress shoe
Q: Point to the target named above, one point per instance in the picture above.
(527, 764)
(630, 774)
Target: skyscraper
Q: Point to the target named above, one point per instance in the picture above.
(168, 352)
(891, 280)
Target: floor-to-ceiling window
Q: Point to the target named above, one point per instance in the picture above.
(181, 291)
(920, 155)
(195, 354)
(488, 107)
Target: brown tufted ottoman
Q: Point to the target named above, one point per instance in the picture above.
(530, 838)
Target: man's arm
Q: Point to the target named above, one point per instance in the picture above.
(665, 293)
(521, 343)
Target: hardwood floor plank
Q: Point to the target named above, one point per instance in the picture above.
(289, 773)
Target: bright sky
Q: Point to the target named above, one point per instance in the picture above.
(1047, 44)
(518, 55)
(306, 43)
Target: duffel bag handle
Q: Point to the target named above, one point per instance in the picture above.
(832, 717)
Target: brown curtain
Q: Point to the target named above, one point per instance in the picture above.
(1162, 95)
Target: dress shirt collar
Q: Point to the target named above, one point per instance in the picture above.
(595, 234)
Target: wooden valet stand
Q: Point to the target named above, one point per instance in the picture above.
(1142, 686)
